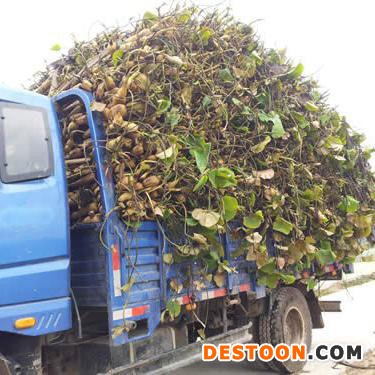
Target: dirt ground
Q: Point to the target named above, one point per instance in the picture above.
(365, 367)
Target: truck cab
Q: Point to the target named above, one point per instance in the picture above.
(34, 222)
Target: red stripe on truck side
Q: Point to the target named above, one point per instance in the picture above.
(215, 293)
(220, 292)
(115, 258)
(140, 310)
(244, 288)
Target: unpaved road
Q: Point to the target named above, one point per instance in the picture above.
(355, 325)
(365, 367)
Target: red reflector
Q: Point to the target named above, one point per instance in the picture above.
(140, 310)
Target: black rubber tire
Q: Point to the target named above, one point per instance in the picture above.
(289, 310)
(265, 336)
(257, 364)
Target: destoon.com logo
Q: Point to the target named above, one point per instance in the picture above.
(280, 352)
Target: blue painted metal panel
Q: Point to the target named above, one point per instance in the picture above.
(34, 229)
(51, 316)
(245, 270)
(141, 258)
(234, 282)
(34, 214)
(49, 277)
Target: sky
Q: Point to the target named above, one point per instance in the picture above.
(334, 39)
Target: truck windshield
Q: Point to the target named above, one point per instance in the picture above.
(25, 146)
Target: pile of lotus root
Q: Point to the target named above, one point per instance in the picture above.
(210, 132)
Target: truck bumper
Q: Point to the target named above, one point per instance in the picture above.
(51, 316)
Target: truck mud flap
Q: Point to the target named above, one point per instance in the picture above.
(330, 306)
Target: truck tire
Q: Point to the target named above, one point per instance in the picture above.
(254, 331)
(288, 321)
(265, 337)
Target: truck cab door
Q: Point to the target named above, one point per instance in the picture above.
(34, 222)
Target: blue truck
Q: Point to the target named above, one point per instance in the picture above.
(63, 308)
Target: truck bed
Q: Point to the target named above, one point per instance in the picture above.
(99, 270)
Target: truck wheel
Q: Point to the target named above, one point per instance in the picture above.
(289, 322)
